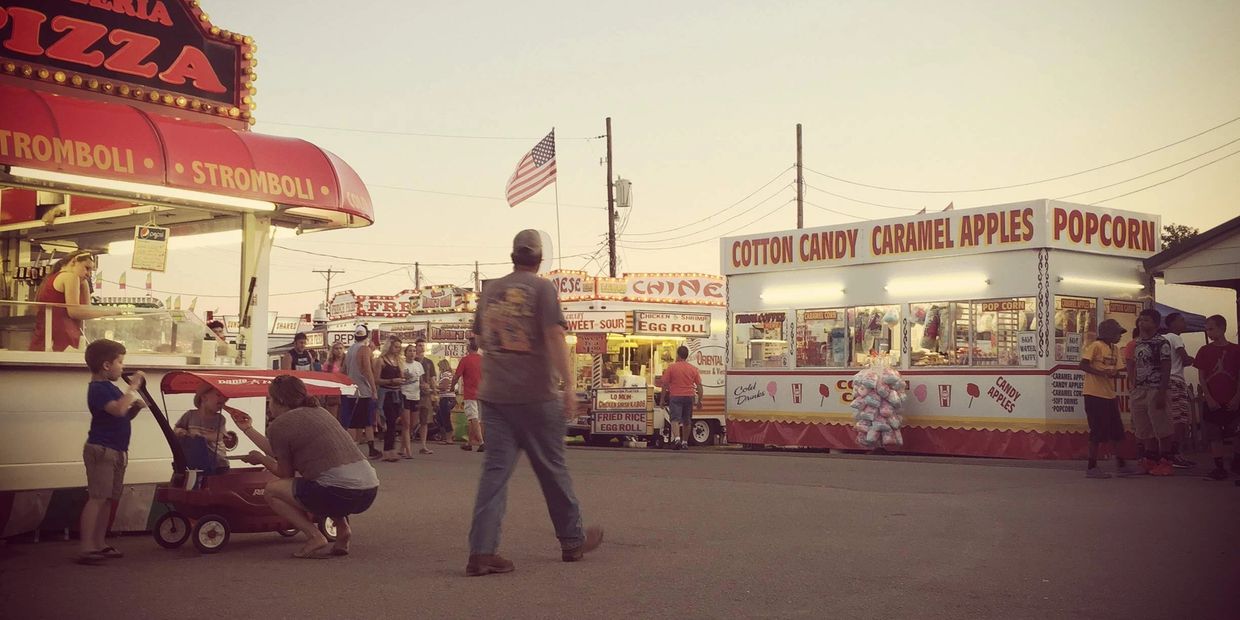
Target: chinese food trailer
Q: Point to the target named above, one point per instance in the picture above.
(122, 126)
(983, 311)
(624, 332)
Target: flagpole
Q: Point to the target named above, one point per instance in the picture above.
(559, 245)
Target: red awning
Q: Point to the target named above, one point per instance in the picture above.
(250, 383)
(117, 141)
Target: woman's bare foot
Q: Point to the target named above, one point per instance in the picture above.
(343, 534)
(315, 547)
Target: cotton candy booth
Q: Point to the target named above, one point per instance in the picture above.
(981, 314)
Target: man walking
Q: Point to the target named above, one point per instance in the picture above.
(469, 374)
(682, 382)
(355, 410)
(429, 400)
(521, 329)
(1150, 370)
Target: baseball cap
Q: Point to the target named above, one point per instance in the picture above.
(1111, 328)
(527, 242)
(361, 331)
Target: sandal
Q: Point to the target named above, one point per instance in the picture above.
(111, 553)
(425, 451)
(407, 456)
(318, 553)
(91, 558)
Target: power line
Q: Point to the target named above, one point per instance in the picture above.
(1139, 176)
(769, 213)
(719, 212)
(1027, 183)
(859, 201)
(417, 134)
(431, 191)
(832, 210)
(697, 232)
(401, 264)
(1184, 174)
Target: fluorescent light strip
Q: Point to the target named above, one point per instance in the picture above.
(1132, 286)
(807, 294)
(154, 191)
(955, 283)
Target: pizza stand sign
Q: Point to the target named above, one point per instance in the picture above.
(622, 411)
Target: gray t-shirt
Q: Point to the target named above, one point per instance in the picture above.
(209, 427)
(353, 367)
(513, 315)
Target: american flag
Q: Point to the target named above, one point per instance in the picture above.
(535, 171)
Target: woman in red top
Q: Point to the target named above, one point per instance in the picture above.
(68, 288)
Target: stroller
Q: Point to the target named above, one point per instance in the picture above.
(209, 509)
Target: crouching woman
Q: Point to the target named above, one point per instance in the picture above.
(335, 478)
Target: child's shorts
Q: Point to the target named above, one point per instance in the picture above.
(1218, 424)
(1104, 421)
(105, 471)
(1149, 418)
(1177, 400)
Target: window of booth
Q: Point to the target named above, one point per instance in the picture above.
(822, 338)
(997, 324)
(1076, 325)
(939, 333)
(875, 333)
(758, 340)
(1124, 312)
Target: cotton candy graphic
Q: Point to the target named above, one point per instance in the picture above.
(878, 396)
(920, 393)
(823, 391)
(973, 391)
(771, 387)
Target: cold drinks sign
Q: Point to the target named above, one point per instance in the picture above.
(1036, 224)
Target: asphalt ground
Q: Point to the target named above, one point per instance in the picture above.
(709, 533)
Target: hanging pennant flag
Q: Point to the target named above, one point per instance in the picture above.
(121, 284)
(148, 280)
(922, 212)
(193, 302)
(951, 205)
(99, 280)
(176, 305)
(535, 171)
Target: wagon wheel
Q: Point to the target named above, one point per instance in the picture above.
(211, 534)
(327, 526)
(288, 532)
(171, 530)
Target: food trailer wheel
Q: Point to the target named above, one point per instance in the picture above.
(703, 433)
(211, 534)
(288, 532)
(327, 526)
(171, 530)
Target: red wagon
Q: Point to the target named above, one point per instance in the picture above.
(210, 509)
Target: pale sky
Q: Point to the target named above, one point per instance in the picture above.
(704, 98)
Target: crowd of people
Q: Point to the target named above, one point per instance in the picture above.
(1159, 396)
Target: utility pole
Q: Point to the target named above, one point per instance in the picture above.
(417, 276)
(800, 184)
(477, 279)
(327, 274)
(611, 208)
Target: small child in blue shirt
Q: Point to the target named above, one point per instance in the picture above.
(106, 452)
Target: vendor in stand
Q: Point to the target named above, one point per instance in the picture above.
(67, 290)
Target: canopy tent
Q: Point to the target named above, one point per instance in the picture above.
(1195, 322)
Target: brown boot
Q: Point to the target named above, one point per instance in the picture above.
(594, 538)
(482, 564)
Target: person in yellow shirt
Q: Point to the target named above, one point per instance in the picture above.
(1100, 361)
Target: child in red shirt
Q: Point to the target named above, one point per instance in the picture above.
(1218, 366)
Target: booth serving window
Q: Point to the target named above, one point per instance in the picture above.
(875, 334)
(939, 333)
(822, 338)
(1124, 312)
(758, 340)
(997, 324)
(1076, 324)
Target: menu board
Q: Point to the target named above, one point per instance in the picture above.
(150, 248)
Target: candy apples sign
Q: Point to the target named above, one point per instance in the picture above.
(160, 52)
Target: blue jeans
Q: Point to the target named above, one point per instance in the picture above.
(537, 428)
